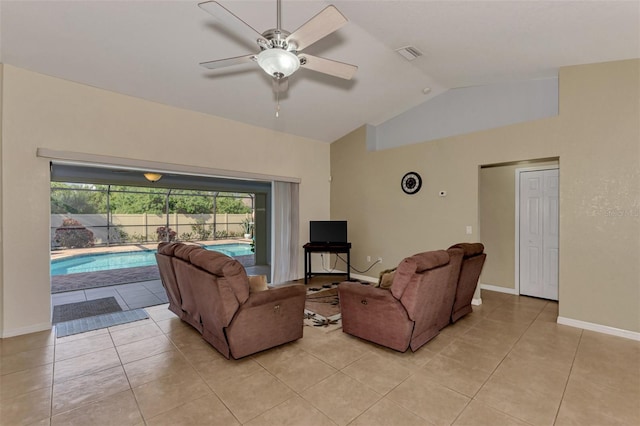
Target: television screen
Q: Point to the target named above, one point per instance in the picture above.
(328, 231)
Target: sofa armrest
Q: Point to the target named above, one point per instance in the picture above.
(274, 294)
(374, 314)
(268, 318)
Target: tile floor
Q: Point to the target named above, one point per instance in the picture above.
(129, 296)
(507, 363)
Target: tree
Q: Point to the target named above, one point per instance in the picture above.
(78, 199)
(230, 205)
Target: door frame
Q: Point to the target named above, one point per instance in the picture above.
(518, 172)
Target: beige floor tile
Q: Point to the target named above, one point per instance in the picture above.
(295, 367)
(207, 410)
(160, 312)
(333, 351)
(538, 376)
(519, 400)
(43, 422)
(85, 364)
(463, 377)
(429, 400)
(26, 342)
(555, 358)
(133, 334)
(293, 412)
(379, 373)
(218, 370)
(610, 362)
(584, 399)
(79, 336)
(25, 381)
(478, 414)
(26, 360)
(126, 325)
(81, 390)
(484, 359)
(497, 343)
(341, 398)
(251, 396)
(144, 348)
(169, 392)
(119, 409)
(413, 361)
(155, 367)
(510, 330)
(439, 343)
(74, 348)
(518, 315)
(172, 325)
(385, 413)
(27, 408)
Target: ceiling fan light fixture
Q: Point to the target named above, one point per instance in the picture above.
(152, 177)
(278, 63)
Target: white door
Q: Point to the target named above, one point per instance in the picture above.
(539, 233)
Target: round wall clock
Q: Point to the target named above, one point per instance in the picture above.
(411, 183)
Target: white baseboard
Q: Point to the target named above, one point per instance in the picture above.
(364, 278)
(627, 334)
(498, 289)
(25, 330)
(476, 302)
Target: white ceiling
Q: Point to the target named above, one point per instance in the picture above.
(151, 50)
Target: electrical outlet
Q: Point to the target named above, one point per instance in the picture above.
(469, 230)
(368, 258)
(379, 260)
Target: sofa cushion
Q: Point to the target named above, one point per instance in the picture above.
(184, 250)
(257, 283)
(430, 259)
(222, 265)
(168, 248)
(470, 249)
(386, 278)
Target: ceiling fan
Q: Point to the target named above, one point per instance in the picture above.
(280, 51)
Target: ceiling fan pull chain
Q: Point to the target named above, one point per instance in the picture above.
(278, 104)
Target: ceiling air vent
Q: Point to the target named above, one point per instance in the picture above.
(409, 52)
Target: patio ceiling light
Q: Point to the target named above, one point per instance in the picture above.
(153, 177)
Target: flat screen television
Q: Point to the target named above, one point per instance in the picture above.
(328, 231)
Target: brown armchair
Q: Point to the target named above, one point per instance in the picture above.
(214, 296)
(407, 314)
(472, 263)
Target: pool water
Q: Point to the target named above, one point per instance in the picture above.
(129, 259)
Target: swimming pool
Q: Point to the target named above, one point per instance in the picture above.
(129, 259)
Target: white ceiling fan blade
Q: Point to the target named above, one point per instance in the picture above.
(324, 23)
(231, 21)
(328, 66)
(228, 62)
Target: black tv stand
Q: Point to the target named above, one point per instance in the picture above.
(325, 248)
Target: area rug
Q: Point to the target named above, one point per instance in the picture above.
(88, 308)
(322, 308)
(83, 325)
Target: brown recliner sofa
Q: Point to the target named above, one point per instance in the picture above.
(472, 263)
(410, 312)
(211, 292)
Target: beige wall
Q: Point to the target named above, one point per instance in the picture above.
(497, 209)
(1, 226)
(46, 112)
(597, 140)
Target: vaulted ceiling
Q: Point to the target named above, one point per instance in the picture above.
(152, 50)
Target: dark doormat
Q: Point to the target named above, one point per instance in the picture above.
(89, 308)
(82, 325)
